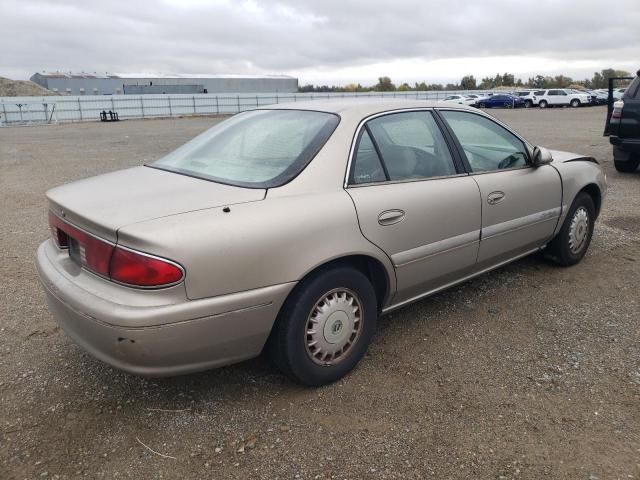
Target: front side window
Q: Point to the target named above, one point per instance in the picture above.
(487, 145)
(410, 145)
(259, 148)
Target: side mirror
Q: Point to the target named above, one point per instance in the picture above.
(541, 156)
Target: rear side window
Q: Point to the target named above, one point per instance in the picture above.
(487, 145)
(367, 167)
(634, 89)
(401, 146)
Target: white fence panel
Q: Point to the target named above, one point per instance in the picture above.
(40, 110)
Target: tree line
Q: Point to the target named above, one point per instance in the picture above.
(469, 82)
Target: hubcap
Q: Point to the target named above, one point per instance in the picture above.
(578, 230)
(333, 326)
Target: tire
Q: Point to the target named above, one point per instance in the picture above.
(543, 104)
(528, 104)
(572, 242)
(330, 303)
(508, 105)
(629, 166)
(575, 103)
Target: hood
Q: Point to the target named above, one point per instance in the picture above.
(105, 203)
(560, 156)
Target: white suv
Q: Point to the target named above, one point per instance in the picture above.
(529, 96)
(561, 97)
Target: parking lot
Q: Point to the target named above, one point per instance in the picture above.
(531, 371)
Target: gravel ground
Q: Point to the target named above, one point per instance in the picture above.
(531, 371)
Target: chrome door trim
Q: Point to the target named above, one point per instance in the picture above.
(423, 252)
(392, 307)
(519, 223)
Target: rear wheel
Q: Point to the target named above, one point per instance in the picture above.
(629, 166)
(575, 103)
(543, 104)
(571, 244)
(325, 326)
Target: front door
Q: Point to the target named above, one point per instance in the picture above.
(521, 204)
(414, 203)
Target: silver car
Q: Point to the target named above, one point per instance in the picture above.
(292, 228)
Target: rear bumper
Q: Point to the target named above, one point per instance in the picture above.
(626, 144)
(161, 340)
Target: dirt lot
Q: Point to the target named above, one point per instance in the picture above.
(531, 371)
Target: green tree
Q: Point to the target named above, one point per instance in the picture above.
(468, 82)
(405, 87)
(508, 80)
(384, 85)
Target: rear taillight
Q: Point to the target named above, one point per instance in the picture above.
(142, 270)
(91, 252)
(616, 114)
(117, 263)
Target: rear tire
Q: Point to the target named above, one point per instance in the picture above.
(572, 242)
(629, 166)
(325, 326)
(543, 104)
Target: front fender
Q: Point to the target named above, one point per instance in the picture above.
(578, 173)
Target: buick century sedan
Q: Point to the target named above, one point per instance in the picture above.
(292, 228)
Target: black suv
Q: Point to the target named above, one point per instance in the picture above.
(624, 129)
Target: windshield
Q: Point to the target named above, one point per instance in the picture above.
(259, 148)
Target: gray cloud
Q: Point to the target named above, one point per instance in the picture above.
(306, 35)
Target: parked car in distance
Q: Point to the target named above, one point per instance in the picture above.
(501, 100)
(559, 97)
(597, 97)
(461, 100)
(624, 129)
(529, 97)
(293, 227)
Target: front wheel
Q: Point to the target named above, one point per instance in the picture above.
(528, 104)
(571, 244)
(543, 104)
(325, 326)
(575, 103)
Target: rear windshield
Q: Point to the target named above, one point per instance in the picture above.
(256, 149)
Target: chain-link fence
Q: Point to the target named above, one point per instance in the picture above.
(42, 110)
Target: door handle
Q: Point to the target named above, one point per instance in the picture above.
(391, 217)
(495, 197)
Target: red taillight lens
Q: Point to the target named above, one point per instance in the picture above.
(142, 270)
(59, 237)
(108, 260)
(87, 250)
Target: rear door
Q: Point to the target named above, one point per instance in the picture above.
(414, 201)
(520, 204)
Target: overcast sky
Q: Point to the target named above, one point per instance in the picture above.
(321, 41)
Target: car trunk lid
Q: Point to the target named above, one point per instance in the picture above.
(103, 204)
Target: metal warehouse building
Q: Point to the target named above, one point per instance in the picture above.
(136, 84)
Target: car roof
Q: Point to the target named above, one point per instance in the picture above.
(362, 106)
